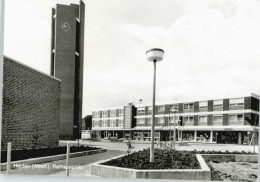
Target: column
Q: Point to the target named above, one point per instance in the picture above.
(195, 135)
(211, 136)
(239, 138)
(179, 135)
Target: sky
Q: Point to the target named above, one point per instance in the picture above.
(211, 47)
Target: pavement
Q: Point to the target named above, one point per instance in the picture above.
(115, 149)
(191, 146)
(80, 162)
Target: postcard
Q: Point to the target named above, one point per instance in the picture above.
(131, 89)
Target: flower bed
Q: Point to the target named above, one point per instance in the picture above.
(164, 159)
(41, 152)
(220, 152)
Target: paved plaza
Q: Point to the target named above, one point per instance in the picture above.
(116, 149)
(191, 146)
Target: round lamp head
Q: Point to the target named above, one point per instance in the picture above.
(155, 54)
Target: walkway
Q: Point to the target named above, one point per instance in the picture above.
(78, 161)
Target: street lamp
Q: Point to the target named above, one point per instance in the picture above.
(154, 55)
(174, 132)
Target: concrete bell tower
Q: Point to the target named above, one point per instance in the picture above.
(67, 55)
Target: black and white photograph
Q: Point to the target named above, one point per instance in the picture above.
(134, 89)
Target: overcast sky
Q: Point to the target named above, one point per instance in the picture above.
(211, 47)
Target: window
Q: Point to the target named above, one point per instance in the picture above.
(104, 113)
(104, 123)
(236, 102)
(161, 120)
(96, 114)
(112, 113)
(96, 123)
(113, 123)
(202, 118)
(173, 108)
(150, 109)
(149, 121)
(121, 112)
(236, 117)
(172, 119)
(188, 119)
(141, 110)
(120, 123)
(161, 108)
(140, 121)
(218, 103)
(218, 118)
(188, 106)
(203, 105)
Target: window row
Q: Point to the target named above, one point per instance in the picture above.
(108, 123)
(172, 108)
(190, 105)
(216, 118)
(190, 119)
(112, 113)
(141, 121)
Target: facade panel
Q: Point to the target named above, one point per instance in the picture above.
(196, 120)
(210, 105)
(254, 104)
(225, 120)
(210, 120)
(225, 104)
(31, 107)
(196, 106)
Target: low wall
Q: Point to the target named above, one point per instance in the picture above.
(52, 158)
(230, 157)
(204, 173)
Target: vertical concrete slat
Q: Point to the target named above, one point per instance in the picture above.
(67, 159)
(52, 40)
(81, 16)
(9, 151)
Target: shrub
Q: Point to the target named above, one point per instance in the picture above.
(163, 159)
(41, 152)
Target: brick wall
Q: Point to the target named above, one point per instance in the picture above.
(31, 107)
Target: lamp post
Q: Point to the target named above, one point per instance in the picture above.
(174, 132)
(154, 55)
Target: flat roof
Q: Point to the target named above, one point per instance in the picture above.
(201, 99)
(184, 101)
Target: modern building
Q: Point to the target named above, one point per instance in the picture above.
(220, 120)
(114, 122)
(31, 107)
(67, 55)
